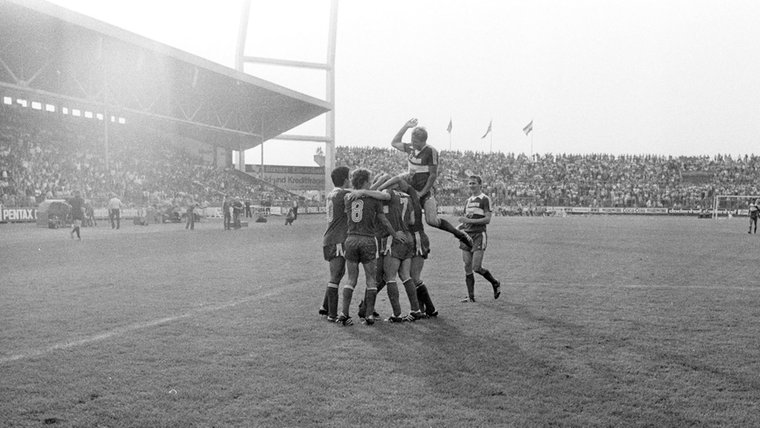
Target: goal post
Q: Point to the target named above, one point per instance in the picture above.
(731, 202)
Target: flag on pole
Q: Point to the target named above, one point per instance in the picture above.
(488, 131)
(450, 127)
(528, 128)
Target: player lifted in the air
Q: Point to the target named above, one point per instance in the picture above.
(422, 174)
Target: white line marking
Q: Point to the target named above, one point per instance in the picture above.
(127, 329)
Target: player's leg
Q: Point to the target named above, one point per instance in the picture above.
(379, 280)
(390, 266)
(421, 251)
(477, 267)
(469, 277)
(404, 273)
(369, 277)
(337, 270)
(352, 268)
(431, 218)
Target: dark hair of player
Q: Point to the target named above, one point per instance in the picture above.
(339, 175)
(359, 177)
(476, 178)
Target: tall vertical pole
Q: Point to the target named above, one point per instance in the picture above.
(242, 36)
(330, 95)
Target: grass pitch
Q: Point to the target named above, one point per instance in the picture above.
(624, 321)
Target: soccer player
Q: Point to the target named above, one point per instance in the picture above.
(395, 256)
(477, 214)
(334, 239)
(77, 214)
(754, 211)
(421, 247)
(361, 246)
(422, 162)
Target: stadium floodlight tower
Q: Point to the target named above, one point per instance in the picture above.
(241, 59)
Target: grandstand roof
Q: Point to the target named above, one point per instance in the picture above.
(53, 51)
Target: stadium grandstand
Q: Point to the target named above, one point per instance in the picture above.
(86, 105)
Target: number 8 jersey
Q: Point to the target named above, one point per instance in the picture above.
(362, 215)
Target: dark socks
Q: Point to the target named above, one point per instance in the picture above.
(485, 273)
(423, 297)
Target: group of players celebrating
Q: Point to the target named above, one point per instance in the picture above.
(379, 224)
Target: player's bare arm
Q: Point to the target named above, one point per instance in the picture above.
(374, 194)
(396, 142)
(399, 179)
(484, 220)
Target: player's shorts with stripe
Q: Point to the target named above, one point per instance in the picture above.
(396, 249)
(479, 241)
(421, 244)
(332, 251)
(361, 249)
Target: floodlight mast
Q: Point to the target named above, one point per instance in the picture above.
(241, 59)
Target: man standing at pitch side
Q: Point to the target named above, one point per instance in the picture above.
(423, 172)
(114, 211)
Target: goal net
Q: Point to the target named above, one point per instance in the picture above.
(729, 205)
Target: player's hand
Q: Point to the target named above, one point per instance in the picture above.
(462, 220)
(401, 237)
(355, 194)
(411, 123)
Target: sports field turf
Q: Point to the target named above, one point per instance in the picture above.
(603, 321)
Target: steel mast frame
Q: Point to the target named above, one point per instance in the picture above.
(241, 59)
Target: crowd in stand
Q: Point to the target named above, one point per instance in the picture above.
(593, 180)
(49, 158)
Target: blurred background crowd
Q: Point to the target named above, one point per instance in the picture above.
(43, 159)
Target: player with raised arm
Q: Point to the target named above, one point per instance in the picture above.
(477, 214)
(422, 160)
(361, 246)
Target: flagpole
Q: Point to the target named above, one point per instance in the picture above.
(490, 149)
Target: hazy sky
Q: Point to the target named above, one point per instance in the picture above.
(610, 76)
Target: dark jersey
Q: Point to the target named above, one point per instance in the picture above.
(77, 208)
(362, 215)
(337, 223)
(420, 162)
(476, 207)
(399, 210)
(416, 212)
